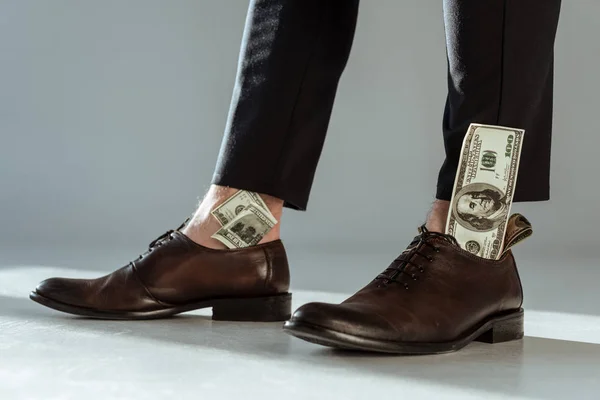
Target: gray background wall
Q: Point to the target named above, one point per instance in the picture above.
(111, 115)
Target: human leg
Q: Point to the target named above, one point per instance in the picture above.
(436, 297)
(500, 72)
(292, 56)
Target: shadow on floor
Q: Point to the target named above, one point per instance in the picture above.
(535, 367)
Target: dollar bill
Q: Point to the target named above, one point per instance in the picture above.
(246, 229)
(517, 230)
(234, 205)
(484, 188)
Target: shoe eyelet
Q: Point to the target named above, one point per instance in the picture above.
(383, 283)
(430, 259)
(436, 249)
(421, 270)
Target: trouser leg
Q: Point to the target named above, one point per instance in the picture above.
(293, 54)
(500, 72)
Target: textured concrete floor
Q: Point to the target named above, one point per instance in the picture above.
(49, 355)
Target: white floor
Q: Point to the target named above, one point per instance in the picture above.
(49, 355)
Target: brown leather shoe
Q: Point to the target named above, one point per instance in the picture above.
(177, 275)
(434, 298)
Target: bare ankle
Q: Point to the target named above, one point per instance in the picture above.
(203, 224)
(438, 214)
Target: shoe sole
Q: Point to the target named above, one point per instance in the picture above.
(256, 309)
(497, 329)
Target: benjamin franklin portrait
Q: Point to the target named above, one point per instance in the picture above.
(480, 207)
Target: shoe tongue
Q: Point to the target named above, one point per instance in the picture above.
(517, 230)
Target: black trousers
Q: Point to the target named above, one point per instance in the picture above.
(500, 72)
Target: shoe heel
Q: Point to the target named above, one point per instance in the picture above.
(258, 309)
(504, 330)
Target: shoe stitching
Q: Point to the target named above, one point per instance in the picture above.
(135, 273)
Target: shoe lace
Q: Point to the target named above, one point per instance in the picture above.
(159, 241)
(400, 266)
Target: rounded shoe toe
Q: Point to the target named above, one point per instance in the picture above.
(353, 319)
(63, 290)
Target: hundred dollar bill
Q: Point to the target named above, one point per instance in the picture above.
(246, 229)
(234, 205)
(517, 230)
(484, 188)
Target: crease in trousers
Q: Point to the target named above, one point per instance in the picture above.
(500, 71)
